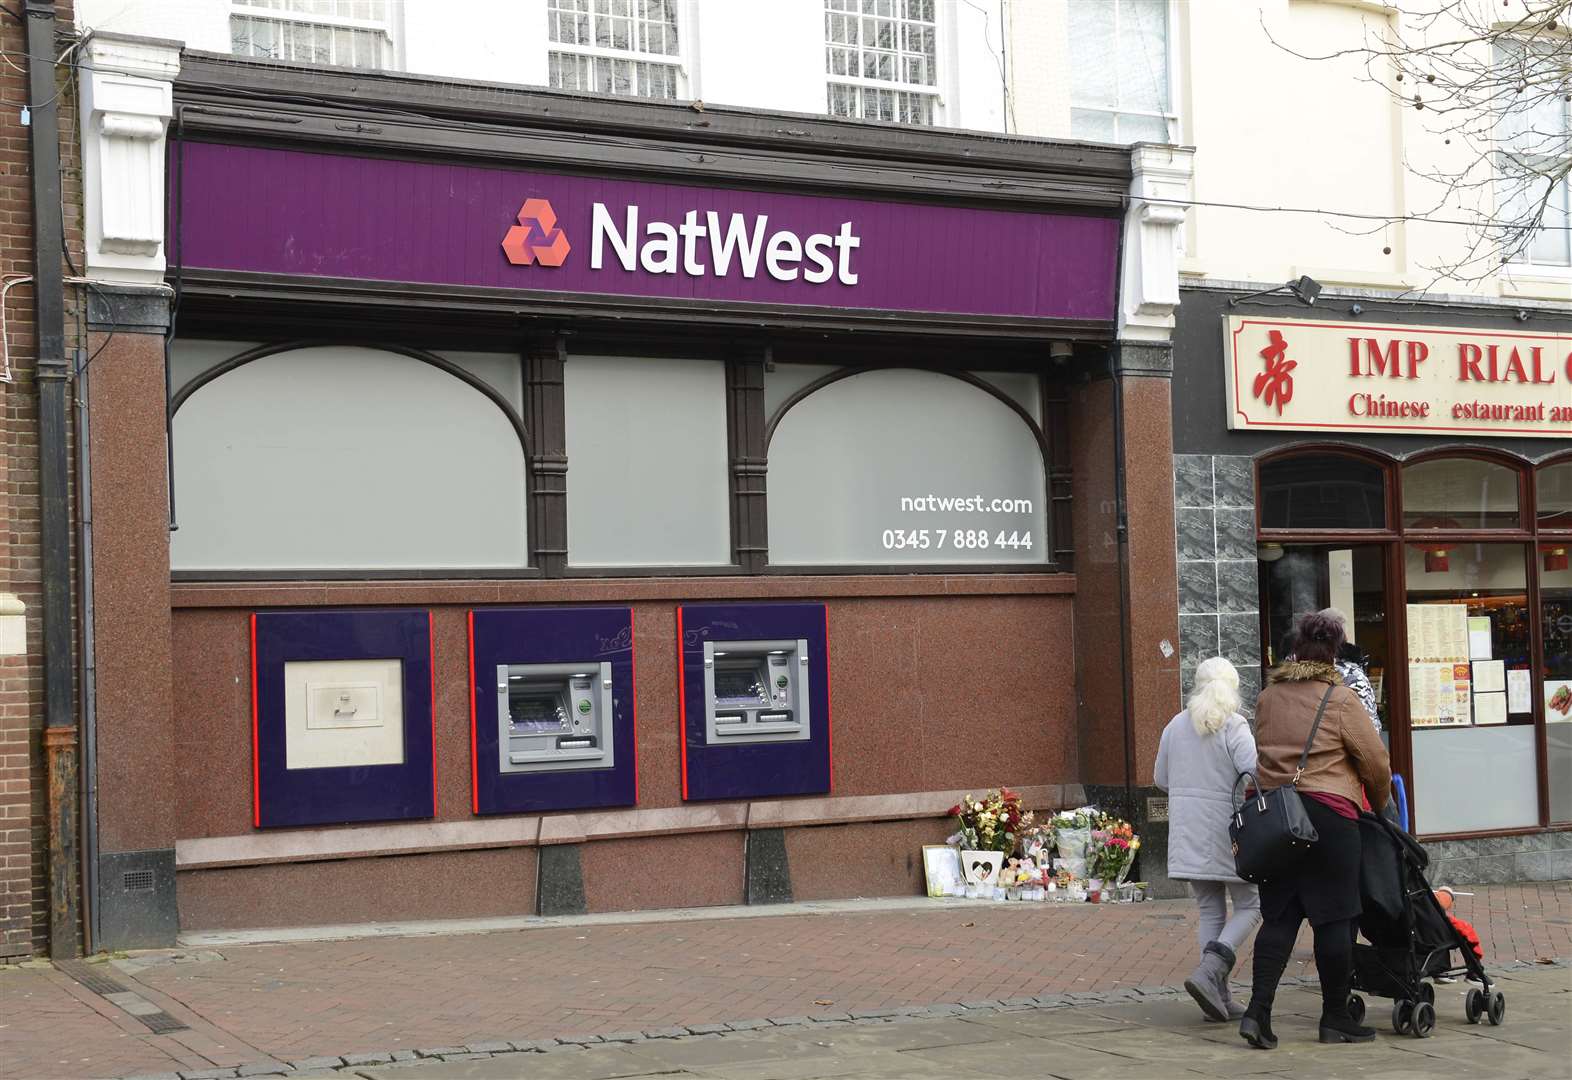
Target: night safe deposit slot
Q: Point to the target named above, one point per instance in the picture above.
(756, 691)
(554, 717)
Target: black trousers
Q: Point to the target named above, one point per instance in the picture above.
(1334, 958)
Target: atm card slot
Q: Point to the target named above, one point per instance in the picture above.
(575, 744)
(775, 718)
(729, 718)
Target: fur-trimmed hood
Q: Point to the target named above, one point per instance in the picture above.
(1304, 671)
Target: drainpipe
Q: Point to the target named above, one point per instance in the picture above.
(60, 732)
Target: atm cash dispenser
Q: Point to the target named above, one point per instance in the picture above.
(755, 700)
(553, 717)
(553, 709)
(756, 691)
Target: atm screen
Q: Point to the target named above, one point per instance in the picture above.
(736, 684)
(534, 710)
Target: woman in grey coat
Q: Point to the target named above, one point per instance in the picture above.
(1202, 753)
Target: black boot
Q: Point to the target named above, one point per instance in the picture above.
(1256, 1027)
(1337, 1023)
(1338, 1026)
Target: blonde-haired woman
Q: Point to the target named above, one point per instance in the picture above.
(1202, 753)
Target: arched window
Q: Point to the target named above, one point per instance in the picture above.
(1460, 493)
(346, 458)
(1322, 491)
(902, 466)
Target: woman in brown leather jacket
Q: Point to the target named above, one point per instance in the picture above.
(1323, 885)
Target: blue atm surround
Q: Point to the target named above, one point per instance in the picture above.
(754, 770)
(571, 635)
(334, 796)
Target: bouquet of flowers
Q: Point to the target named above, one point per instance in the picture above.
(1072, 833)
(1114, 845)
(994, 822)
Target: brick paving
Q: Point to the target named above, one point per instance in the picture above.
(263, 1005)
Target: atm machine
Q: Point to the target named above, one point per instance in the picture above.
(552, 709)
(554, 717)
(755, 691)
(756, 715)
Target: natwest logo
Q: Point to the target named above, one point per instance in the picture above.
(702, 244)
(536, 237)
(699, 248)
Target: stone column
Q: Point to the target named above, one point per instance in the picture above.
(125, 107)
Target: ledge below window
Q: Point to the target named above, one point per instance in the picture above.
(562, 590)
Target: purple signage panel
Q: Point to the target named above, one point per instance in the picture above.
(264, 210)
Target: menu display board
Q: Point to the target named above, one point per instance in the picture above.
(1440, 675)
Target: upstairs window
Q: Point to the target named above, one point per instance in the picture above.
(882, 59)
(344, 33)
(629, 48)
(1119, 73)
(1534, 149)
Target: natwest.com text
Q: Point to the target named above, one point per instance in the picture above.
(963, 504)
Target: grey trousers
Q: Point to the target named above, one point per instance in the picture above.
(1211, 900)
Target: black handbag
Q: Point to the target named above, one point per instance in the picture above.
(1271, 829)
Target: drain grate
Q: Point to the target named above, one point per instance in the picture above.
(92, 977)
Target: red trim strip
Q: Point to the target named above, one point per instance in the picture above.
(682, 704)
(633, 657)
(829, 730)
(256, 756)
(474, 758)
(431, 645)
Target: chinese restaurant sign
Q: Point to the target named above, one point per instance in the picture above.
(263, 210)
(1324, 376)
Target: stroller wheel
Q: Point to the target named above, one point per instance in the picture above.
(1427, 993)
(1497, 1007)
(1424, 1021)
(1402, 1015)
(1356, 1008)
(1474, 1004)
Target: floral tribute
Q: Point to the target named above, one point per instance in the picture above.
(1114, 845)
(992, 823)
(1079, 854)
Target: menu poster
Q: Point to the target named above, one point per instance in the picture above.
(1489, 676)
(1520, 688)
(1422, 695)
(1558, 701)
(1490, 709)
(1437, 633)
(1479, 638)
(1438, 694)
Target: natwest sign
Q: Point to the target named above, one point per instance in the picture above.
(555, 234)
(1324, 376)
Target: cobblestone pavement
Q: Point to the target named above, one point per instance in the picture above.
(351, 1004)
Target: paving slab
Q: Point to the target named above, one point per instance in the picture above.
(744, 1047)
(602, 1063)
(913, 1035)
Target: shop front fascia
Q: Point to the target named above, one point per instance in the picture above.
(577, 502)
(1408, 464)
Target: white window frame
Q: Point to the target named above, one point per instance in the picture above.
(940, 90)
(1172, 47)
(1523, 263)
(392, 40)
(678, 60)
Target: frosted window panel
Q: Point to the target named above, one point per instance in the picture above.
(1492, 767)
(647, 462)
(503, 372)
(1554, 494)
(1092, 126)
(787, 379)
(190, 358)
(1093, 74)
(343, 458)
(1143, 55)
(1022, 387)
(842, 461)
(1459, 493)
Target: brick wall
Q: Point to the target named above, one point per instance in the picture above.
(24, 915)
